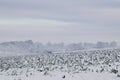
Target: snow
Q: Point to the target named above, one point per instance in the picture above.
(59, 76)
(100, 64)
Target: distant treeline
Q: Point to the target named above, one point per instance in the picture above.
(36, 47)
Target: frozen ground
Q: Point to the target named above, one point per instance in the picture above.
(81, 65)
(62, 76)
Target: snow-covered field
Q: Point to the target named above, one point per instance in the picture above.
(60, 76)
(101, 64)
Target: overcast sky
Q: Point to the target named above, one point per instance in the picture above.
(60, 20)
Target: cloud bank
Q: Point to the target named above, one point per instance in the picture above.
(60, 20)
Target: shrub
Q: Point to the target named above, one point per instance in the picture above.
(114, 71)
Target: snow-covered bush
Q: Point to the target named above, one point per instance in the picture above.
(93, 60)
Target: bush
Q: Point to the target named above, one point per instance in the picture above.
(114, 71)
(118, 75)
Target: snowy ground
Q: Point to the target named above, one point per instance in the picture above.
(62, 76)
(85, 65)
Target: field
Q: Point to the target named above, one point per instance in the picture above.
(98, 64)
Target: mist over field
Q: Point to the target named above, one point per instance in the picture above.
(29, 46)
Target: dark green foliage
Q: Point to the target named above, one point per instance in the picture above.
(114, 71)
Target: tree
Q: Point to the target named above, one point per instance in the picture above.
(113, 44)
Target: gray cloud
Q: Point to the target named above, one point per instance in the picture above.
(95, 11)
(85, 18)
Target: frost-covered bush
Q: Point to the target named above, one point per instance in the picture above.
(114, 71)
(93, 60)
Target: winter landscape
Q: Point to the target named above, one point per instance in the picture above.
(59, 39)
(100, 62)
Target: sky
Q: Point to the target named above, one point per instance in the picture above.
(60, 20)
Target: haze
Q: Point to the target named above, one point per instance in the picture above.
(60, 20)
